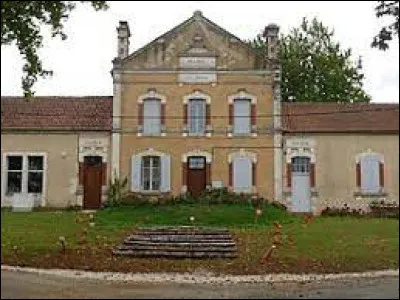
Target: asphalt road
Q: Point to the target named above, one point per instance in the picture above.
(16, 285)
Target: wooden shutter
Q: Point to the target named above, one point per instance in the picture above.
(230, 114)
(289, 175)
(163, 114)
(165, 173)
(136, 173)
(140, 114)
(253, 115)
(208, 114)
(358, 175)
(185, 114)
(208, 174)
(312, 175)
(381, 175)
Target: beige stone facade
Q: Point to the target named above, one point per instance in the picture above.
(336, 159)
(61, 164)
(195, 59)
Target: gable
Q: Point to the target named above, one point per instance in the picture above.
(197, 42)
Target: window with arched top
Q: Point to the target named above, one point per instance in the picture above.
(370, 173)
(151, 114)
(242, 171)
(242, 113)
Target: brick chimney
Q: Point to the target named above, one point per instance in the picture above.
(123, 39)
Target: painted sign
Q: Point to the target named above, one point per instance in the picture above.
(197, 77)
(197, 62)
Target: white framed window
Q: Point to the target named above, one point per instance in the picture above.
(242, 116)
(196, 116)
(24, 173)
(151, 173)
(152, 116)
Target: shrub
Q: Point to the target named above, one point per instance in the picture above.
(384, 209)
(117, 192)
(342, 211)
(278, 205)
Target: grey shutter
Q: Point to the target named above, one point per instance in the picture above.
(136, 173)
(196, 114)
(370, 174)
(242, 175)
(165, 173)
(152, 117)
(242, 113)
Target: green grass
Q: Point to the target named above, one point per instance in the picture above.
(326, 243)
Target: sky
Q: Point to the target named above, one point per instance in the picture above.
(82, 63)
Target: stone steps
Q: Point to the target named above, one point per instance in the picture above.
(179, 242)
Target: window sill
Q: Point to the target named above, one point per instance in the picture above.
(150, 193)
(241, 135)
(370, 195)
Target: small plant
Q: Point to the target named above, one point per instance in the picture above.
(62, 241)
(117, 192)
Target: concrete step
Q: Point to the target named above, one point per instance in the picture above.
(178, 238)
(175, 254)
(180, 244)
(174, 248)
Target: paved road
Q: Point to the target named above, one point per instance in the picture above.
(31, 286)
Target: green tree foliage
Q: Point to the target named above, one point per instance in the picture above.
(314, 67)
(388, 9)
(22, 21)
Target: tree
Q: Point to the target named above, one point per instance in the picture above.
(21, 23)
(387, 8)
(314, 67)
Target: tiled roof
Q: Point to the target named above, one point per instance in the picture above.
(340, 117)
(57, 113)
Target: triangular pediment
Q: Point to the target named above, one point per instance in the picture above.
(195, 37)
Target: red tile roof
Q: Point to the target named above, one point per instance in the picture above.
(340, 117)
(57, 113)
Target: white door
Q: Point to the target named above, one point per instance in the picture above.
(301, 191)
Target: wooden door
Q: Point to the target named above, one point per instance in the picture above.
(196, 175)
(92, 182)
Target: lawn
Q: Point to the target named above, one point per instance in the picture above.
(325, 244)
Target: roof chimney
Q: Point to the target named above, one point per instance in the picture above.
(271, 33)
(123, 39)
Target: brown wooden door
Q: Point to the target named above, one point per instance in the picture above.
(196, 175)
(92, 182)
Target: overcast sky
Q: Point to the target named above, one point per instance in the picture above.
(82, 63)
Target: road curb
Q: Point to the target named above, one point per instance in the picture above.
(202, 278)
